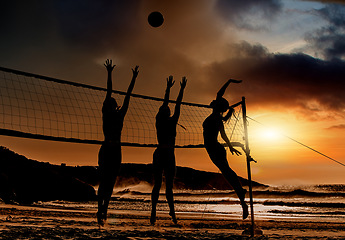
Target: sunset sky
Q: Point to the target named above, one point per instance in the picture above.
(289, 54)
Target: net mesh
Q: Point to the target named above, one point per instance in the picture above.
(40, 107)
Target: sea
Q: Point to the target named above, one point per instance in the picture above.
(325, 203)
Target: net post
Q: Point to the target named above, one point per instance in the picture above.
(248, 158)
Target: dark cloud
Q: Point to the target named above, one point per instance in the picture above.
(247, 50)
(337, 127)
(71, 39)
(249, 14)
(83, 24)
(283, 80)
(329, 41)
(93, 22)
(334, 14)
(329, 1)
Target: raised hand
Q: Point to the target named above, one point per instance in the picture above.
(170, 81)
(109, 65)
(135, 71)
(183, 82)
(221, 91)
(234, 151)
(235, 81)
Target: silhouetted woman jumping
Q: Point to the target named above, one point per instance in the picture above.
(213, 125)
(109, 157)
(164, 155)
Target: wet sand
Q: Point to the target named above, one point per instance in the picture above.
(33, 222)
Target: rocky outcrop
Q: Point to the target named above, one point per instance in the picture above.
(26, 181)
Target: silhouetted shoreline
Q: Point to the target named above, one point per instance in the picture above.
(26, 181)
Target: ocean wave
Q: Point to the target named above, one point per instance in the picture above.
(256, 193)
(179, 201)
(131, 192)
(307, 212)
(185, 193)
(331, 187)
(297, 192)
(306, 204)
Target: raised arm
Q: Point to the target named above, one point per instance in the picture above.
(227, 141)
(238, 144)
(109, 66)
(179, 98)
(129, 91)
(170, 83)
(222, 90)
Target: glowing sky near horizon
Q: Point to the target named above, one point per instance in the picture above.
(290, 55)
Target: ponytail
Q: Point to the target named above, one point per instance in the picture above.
(228, 115)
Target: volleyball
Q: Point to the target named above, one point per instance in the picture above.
(155, 19)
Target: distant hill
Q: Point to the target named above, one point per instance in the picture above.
(186, 178)
(26, 181)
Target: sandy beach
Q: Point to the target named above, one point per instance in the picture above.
(35, 222)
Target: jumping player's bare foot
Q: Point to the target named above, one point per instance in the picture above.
(245, 210)
(173, 216)
(153, 218)
(100, 219)
(242, 196)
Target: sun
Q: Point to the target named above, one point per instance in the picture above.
(270, 134)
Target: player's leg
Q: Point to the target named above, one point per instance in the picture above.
(218, 157)
(100, 191)
(157, 176)
(169, 172)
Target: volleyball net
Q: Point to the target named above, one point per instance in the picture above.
(40, 107)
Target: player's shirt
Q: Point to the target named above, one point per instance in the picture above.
(112, 122)
(212, 126)
(166, 130)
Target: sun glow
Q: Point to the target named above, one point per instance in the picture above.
(270, 134)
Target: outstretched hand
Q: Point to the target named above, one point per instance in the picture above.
(235, 81)
(170, 81)
(109, 65)
(183, 82)
(234, 151)
(135, 71)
